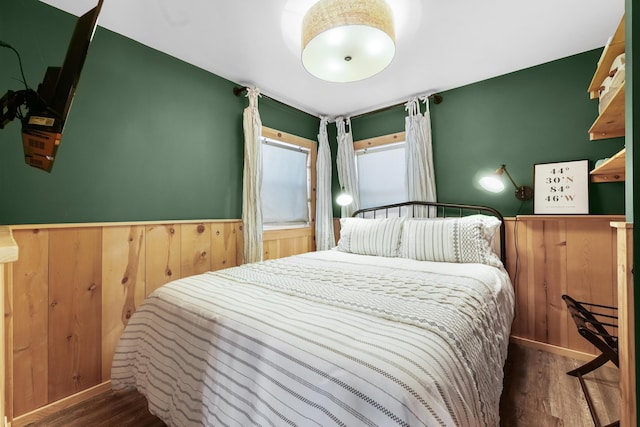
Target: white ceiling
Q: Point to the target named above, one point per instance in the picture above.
(440, 44)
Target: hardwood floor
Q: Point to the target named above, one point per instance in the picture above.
(537, 392)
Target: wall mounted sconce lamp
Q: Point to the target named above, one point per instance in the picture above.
(344, 198)
(495, 184)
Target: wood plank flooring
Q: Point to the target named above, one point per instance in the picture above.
(537, 392)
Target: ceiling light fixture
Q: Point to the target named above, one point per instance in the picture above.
(347, 40)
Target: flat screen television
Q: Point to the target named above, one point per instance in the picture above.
(43, 125)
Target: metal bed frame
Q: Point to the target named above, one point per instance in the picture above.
(439, 210)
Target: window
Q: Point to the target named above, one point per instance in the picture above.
(288, 166)
(380, 165)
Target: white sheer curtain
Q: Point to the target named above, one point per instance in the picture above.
(346, 163)
(252, 180)
(421, 183)
(325, 239)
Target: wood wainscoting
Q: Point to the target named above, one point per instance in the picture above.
(552, 255)
(627, 330)
(8, 255)
(75, 287)
(279, 243)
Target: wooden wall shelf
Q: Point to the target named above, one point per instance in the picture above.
(610, 123)
(612, 170)
(610, 52)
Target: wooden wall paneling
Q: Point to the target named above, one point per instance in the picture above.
(75, 305)
(6, 348)
(514, 267)
(270, 249)
(223, 245)
(163, 255)
(295, 245)
(550, 311)
(535, 261)
(290, 246)
(30, 302)
(557, 255)
(590, 265)
(626, 332)
(287, 242)
(520, 273)
(9, 252)
(195, 247)
(70, 299)
(123, 284)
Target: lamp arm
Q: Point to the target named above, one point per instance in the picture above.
(509, 176)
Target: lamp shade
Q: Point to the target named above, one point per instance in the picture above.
(492, 183)
(347, 40)
(495, 184)
(344, 199)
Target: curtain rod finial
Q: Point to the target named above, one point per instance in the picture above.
(437, 99)
(237, 91)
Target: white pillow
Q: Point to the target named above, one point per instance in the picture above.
(465, 240)
(363, 236)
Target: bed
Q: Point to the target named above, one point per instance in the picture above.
(406, 322)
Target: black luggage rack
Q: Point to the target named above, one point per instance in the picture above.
(592, 325)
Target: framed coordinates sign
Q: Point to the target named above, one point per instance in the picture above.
(561, 188)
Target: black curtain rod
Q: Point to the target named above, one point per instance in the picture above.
(437, 99)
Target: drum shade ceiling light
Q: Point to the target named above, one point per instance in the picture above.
(347, 40)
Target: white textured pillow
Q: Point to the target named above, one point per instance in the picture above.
(362, 236)
(465, 240)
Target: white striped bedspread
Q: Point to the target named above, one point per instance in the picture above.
(322, 339)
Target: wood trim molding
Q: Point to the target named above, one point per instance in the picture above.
(379, 140)
(554, 349)
(287, 137)
(569, 217)
(286, 233)
(117, 224)
(626, 323)
(52, 408)
(8, 254)
(312, 146)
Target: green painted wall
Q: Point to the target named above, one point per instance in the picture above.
(537, 115)
(148, 137)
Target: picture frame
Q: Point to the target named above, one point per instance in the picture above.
(561, 188)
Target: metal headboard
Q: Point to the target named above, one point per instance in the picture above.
(436, 209)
